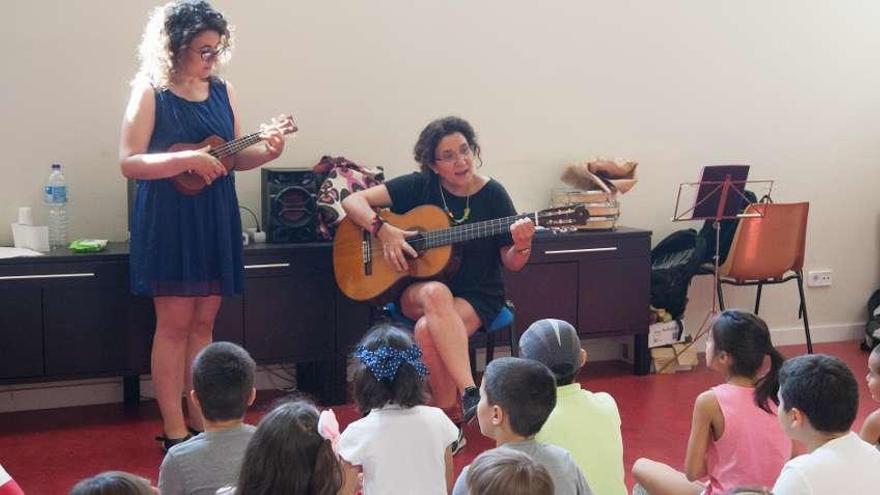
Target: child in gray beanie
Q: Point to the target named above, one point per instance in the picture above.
(586, 424)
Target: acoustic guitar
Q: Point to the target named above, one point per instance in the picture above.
(190, 183)
(363, 274)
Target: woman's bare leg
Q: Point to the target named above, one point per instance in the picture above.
(200, 335)
(442, 329)
(443, 387)
(174, 316)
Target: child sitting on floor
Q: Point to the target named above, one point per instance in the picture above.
(516, 398)
(507, 472)
(735, 439)
(871, 428)
(819, 399)
(584, 423)
(114, 483)
(403, 446)
(223, 388)
(291, 453)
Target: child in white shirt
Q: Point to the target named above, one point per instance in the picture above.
(403, 446)
(871, 427)
(819, 399)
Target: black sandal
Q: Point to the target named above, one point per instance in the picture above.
(167, 443)
(193, 431)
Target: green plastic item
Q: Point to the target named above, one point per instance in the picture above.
(88, 245)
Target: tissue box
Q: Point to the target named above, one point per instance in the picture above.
(665, 333)
(30, 237)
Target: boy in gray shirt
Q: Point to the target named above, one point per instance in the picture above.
(223, 388)
(516, 397)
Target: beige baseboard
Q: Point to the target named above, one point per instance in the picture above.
(822, 333)
(52, 395)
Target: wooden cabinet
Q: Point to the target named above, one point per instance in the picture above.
(21, 332)
(63, 317)
(71, 316)
(290, 305)
(544, 290)
(85, 330)
(229, 324)
(598, 281)
(292, 315)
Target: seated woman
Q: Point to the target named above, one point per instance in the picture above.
(446, 314)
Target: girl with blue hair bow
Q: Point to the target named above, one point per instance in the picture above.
(402, 445)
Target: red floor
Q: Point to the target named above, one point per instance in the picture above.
(48, 451)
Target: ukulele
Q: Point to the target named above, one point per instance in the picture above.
(190, 183)
(363, 274)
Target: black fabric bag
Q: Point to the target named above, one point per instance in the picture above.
(674, 262)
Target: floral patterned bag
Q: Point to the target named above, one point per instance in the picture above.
(341, 178)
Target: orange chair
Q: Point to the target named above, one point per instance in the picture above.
(769, 250)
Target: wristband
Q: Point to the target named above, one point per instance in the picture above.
(376, 224)
(525, 250)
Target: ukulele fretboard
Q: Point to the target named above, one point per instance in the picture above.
(230, 148)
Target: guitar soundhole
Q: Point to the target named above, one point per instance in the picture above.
(417, 241)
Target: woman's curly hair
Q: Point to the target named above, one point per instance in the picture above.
(434, 132)
(169, 31)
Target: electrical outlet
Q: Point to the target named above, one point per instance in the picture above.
(819, 278)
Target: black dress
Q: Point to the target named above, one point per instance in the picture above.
(478, 279)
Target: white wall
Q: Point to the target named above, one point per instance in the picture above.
(789, 87)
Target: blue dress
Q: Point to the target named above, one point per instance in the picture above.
(187, 245)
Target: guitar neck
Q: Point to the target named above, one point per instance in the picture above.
(230, 148)
(471, 231)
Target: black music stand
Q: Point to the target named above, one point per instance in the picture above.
(720, 196)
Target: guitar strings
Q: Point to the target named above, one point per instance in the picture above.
(465, 232)
(461, 232)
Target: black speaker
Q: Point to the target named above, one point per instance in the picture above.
(289, 209)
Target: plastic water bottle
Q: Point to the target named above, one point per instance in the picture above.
(56, 199)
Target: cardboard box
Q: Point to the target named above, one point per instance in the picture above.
(662, 360)
(665, 333)
(686, 354)
(672, 358)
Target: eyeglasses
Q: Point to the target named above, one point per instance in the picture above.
(208, 54)
(451, 157)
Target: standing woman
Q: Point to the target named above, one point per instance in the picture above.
(186, 251)
(447, 314)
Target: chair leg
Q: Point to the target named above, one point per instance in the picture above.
(514, 339)
(758, 298)
(720, 296)
(803, 308)
(490, 347)
(472, 355)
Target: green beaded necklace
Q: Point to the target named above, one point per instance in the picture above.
(467, 208)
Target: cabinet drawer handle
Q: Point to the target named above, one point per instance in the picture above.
(586, 250)
(267, 265)
(48, 275)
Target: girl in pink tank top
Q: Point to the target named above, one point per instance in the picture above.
(735, 438)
